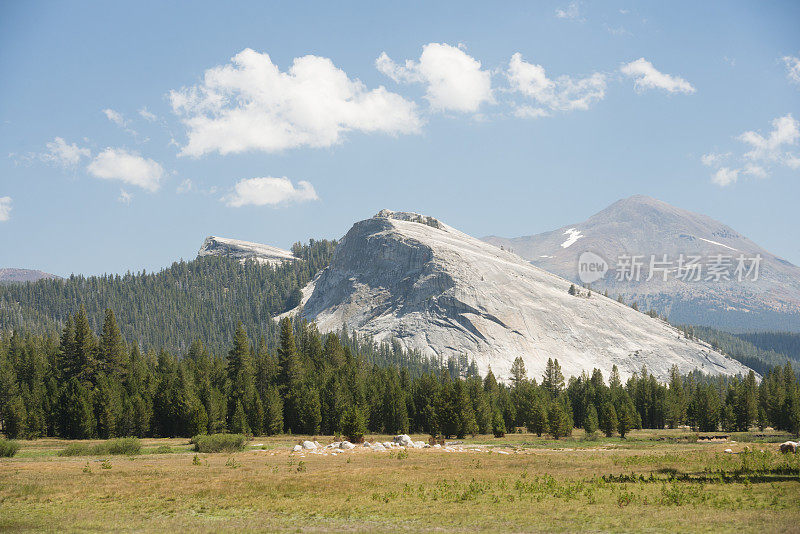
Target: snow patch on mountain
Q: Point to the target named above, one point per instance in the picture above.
(573, 234)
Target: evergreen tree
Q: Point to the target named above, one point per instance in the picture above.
(608, 419)
(590, 421)
(553, 379)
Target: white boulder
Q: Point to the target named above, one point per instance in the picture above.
(789, 446)
(346, 445)
(297, 448)
(404, 440)
(309, 445)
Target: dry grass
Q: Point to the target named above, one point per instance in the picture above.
(540, 486)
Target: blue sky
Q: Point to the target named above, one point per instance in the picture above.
(129, 133)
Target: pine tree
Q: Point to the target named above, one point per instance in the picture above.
(498, 424)
(518, 372)
(590, 421)
(608, 419)
(624, 420)
(112, 353)
(553, 379)
(354, 424)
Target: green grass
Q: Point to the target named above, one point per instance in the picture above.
(649, 482)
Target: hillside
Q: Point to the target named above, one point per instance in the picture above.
(442, 292)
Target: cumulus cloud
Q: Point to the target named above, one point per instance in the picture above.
(561, 94)
(269, 191)
(5, 208)
(454, 80)
(60, 153)
(646, 76)
(128, 167)
(785, 133)
(725, 176)
(763, 153)
(250, 104)
(792, 68)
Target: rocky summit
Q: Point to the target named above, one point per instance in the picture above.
(442, 292)
(244, 250)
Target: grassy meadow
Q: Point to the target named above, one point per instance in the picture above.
(663, 481)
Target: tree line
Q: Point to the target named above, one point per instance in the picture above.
(200, 299)
(80, 384)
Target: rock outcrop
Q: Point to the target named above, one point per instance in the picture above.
(244, 250)
(444, 293)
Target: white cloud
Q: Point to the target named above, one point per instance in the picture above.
(64, 155)
(792, 68)
(562, 94)
(147, 115)
(5, 208)
(785, 132)
(725, 176)
(646, 76)
(128, 167)
(269, 192)
(250, 104)
(454, 79)
(571, 12)
(764, 153)
(124, 197)
(712, 160)
(115, 117)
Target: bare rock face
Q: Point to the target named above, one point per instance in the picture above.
(244, 250)
(646, 227)
(435, 289)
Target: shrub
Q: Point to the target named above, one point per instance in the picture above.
(162, 449)
(128, 446)
(75, 449)
(8, 448)
(219, 442)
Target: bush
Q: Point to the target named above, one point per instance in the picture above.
(128, 446)
(162, 449)
(8, 448)
(219, 442)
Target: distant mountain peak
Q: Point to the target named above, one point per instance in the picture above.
(648, 228)
(13, 275)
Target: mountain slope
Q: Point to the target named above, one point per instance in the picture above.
(243, 250)
(11, 275)
(646, 227)
(440, 291)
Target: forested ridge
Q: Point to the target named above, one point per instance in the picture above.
(200, 299)
(83, 384)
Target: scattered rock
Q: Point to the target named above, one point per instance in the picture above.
(403, 440)
(729, 451)
(378, 447)
(346, 445)
(789, 446)
(297, 448)
(309, 445)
